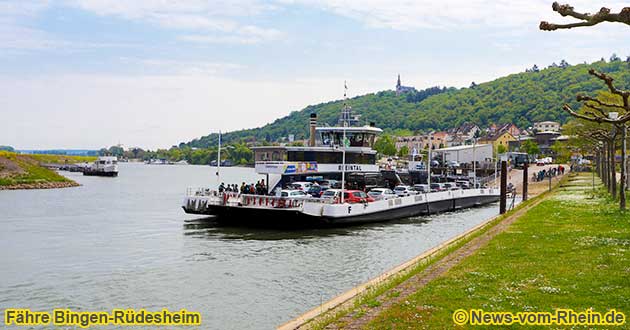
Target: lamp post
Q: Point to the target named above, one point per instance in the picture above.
(474, 164)
(343, 162)
(429, 162)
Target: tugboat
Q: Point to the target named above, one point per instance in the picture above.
(103, 166)
(342, 153)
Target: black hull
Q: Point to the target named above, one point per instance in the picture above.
(99, 173)
(283, 218)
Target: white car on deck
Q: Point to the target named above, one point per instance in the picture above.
(381, 193)
(300, 185)
(404, 191)
(294, 194)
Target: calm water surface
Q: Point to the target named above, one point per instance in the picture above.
(126, 243)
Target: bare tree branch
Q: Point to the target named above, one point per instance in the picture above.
(593, 117)
(581, 98)
(609, 82)
(603, 15)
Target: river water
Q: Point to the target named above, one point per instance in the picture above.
(126, 243)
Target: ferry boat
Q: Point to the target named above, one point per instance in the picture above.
(342, 153)
(103, 166)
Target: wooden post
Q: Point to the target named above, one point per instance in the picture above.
(525, 181)
(503, 195)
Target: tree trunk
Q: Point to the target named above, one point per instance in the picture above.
(599, 163)
(622, 182)
(604, 175)
(613, 170)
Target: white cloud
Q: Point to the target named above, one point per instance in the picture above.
(451, 14)
(148, 111)
(182, 67)
(210, 21)
(243, 35)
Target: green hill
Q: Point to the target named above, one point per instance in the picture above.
(521, 98)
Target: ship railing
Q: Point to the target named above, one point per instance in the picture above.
(275, 202)
(201, 192)
(264, 201)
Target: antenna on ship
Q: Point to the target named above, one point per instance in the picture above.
(219, 161)
(345, 116)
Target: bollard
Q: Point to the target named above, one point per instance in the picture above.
(525, 181)
(503, 195)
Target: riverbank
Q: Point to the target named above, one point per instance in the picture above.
(25, 172)
(565, 249)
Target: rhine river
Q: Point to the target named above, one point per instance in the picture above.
(126, 243)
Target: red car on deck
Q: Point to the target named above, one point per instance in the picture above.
(349, 196)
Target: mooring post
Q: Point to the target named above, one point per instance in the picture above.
(525, 181)
(503, 195)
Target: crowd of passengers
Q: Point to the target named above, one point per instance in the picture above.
(259, 188)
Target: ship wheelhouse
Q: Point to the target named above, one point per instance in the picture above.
(322, 158)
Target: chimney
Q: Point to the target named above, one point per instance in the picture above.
(312, 125)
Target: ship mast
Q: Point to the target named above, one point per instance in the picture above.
(345, 115)
(219, 161)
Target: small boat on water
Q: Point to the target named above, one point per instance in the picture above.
(103, 166)
(342, 153)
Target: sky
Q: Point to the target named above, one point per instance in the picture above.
(153, 73)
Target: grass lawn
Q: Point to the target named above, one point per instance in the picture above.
(24, 169)
(570, 251)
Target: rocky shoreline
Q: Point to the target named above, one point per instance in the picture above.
(41, 185)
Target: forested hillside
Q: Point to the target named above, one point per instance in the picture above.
(522, 98)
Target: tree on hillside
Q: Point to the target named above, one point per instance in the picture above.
(564, 64)
(613, 110)
(604, 15)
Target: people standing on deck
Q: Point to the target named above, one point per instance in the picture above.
(221, 187)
